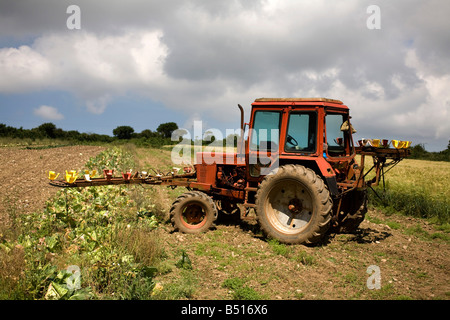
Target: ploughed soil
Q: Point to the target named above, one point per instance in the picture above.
(236, 261)
(24, 186)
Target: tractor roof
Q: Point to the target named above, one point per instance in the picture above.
(298, 100)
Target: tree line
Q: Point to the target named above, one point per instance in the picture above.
(146, 138)
(418, 152)
(49, 130)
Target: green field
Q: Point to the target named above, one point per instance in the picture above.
(418, 188)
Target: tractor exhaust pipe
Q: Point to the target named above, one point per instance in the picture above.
(242, 117)
(241, 138)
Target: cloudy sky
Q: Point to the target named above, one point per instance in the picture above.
(142, 63)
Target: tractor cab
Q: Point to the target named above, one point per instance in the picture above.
(314, 132)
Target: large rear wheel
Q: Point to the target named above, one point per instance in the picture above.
(294, 205)
(193, 212)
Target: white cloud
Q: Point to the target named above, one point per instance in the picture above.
(23, 70)
(48, 113)
(92, 67)
(431, 118)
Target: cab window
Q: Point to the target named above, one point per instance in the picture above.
(265, 135)
(337, 139)
(301, 132)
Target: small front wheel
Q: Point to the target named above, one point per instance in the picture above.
(193, 212)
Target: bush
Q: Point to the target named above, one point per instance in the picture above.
(123, 132)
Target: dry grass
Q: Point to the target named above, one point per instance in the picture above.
(418, 188)
(12, 270)
(432, 176)
(142, 243)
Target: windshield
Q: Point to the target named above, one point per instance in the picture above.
(265, 133)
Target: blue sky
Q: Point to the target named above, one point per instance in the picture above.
(142, 63)
(20, 110)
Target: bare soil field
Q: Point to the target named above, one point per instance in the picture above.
(24, 183)
(235, 261)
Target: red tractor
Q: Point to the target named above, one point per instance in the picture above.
(296, 169)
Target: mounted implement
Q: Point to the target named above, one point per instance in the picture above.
(297, 169)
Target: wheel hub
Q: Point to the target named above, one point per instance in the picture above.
(193, 214)
(289, 206)
(295, 206)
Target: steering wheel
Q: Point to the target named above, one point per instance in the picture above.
(291, 141)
